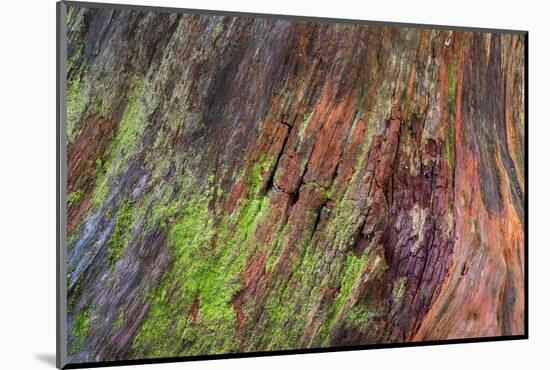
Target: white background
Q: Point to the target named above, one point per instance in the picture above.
(27, 183)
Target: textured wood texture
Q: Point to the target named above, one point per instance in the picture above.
(240, 184)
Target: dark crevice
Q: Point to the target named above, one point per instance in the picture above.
(270, 180)
(395, 163)
(295, 196)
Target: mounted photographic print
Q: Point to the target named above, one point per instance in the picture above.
(234, 184)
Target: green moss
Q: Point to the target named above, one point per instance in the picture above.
(399, 288)
(126, 141)
(190, 237)
(99, 170)
(275, 247)
(74, 295)
(256, 178)
(344, 216)
(451, 79)
(343, 223)
(449, 134)
(74, 198)
(327, 193)
(77, 98)
(449, 148)
(69, 13)
(134, 120)
(218, 27)
(81, 329)
(121, 233)
(283, 324)
(81, 326)
(277, 334)
(304, 125)
(78, 38)
(119, 320)
(210, 252)
(351, 273)
(357, 316)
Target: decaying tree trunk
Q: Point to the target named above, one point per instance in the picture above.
(247, 184)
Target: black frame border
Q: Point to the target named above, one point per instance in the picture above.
(61, 172)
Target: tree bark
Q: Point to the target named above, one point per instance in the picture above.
(245, 184)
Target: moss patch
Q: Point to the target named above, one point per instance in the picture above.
(121, 233)
(77, 99)
(399, 288)
(210, 251)
(81, 329)
(125, 143)
(74, 198)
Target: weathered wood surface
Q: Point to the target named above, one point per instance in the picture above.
(241, 184)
